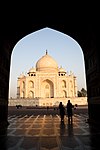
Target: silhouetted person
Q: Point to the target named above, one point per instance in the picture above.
(69, 110)
(62, 111)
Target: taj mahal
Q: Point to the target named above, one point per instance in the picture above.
(46, 84)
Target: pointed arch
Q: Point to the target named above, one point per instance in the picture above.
(47, 89)
(23, 84)
(31, 84)
(63, 84)
(64, 93)
(31, 94)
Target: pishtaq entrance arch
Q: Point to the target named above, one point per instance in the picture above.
(83, 31)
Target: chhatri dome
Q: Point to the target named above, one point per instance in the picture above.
(62, 69)
(46, 63)
(32, 70)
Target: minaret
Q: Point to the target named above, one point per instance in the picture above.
(46, 52)
(75, 86)
(18, 88)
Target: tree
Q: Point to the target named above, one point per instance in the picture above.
(82, 93)
(79, 94)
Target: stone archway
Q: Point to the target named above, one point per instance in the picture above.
(87, 38)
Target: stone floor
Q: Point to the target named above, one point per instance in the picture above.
(46, 132)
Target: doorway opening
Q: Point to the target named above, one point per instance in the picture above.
(69, 57)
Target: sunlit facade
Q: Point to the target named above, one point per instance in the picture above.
(46, 81)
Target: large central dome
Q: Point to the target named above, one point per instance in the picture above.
(46, 63)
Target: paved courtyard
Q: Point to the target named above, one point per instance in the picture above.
(46, 132)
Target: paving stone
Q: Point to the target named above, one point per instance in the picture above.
(46, 132)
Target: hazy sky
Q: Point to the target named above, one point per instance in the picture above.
(64, 49)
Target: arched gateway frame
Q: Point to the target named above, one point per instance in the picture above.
(13, 32)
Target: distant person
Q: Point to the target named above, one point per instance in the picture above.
(69, 110)
(62, 111)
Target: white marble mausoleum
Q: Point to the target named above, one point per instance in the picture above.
(46, 84)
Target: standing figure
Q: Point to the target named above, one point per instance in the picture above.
(69, 110)
(62, 111)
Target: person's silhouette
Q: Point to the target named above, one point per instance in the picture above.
(62, 111)
(69, 110)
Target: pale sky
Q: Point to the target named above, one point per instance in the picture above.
(63, 48)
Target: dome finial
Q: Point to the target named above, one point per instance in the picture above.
(46, 52)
